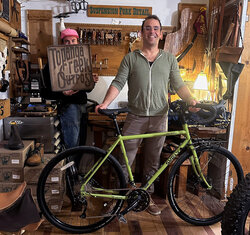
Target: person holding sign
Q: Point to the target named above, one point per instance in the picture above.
(148, 72)
(71, 103)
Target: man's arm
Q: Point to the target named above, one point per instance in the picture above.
(185, 95)
(111, 94)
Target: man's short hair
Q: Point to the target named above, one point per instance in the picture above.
(155, 17)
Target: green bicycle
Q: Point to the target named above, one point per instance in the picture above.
(99, 187)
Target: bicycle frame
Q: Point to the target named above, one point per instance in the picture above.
(120, 140)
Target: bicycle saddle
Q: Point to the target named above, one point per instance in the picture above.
(113, 112)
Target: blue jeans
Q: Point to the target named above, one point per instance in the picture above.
(72, 122)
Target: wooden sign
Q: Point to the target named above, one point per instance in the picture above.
(119, 11)
(70, 67)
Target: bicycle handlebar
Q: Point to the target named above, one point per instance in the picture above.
(211, 116)
(207, 117)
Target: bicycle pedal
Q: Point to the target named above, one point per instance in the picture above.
(122, 219)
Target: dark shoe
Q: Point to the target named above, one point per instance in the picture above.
(15, 142)
(153, 209)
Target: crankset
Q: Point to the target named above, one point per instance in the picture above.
(138, 200)
(142, 196)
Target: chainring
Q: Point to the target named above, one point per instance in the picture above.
(144, 199)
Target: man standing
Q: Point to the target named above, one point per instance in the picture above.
(72, 103)
(148, 73)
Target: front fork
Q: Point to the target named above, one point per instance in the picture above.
(194, 159)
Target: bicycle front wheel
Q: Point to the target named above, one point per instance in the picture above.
(77, 211)
(188, 194)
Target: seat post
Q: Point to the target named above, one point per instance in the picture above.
(116, 125)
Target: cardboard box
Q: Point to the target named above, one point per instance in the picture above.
(4, 108)
(14, 158)
(54, 203)
(11, 175)
(51, 190)
(32, 174)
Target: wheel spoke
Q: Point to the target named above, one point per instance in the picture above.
(78, 211)
(190, 197)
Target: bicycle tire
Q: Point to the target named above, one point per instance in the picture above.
(109, 176)
(188, 195)
(236, 216)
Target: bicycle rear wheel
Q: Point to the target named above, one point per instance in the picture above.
(189, 196)
(78, 212)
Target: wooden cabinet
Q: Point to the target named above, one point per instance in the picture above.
(39, 25)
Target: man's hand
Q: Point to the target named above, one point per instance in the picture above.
(193, 102)
(100, 106)
(69, 92)
(111, 94)
(72, 92)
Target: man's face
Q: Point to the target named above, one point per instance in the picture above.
(151, 32)
(70, 40)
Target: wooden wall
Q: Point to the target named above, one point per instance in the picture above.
(114, 53)
(193, 61)
(39, 27)
(241, 135)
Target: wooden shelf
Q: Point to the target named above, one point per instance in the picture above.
(21, 40)
(21, 50)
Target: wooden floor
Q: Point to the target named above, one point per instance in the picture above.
(143, 223)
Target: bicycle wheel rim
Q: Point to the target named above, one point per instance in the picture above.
(189, 196)
(66, 219)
